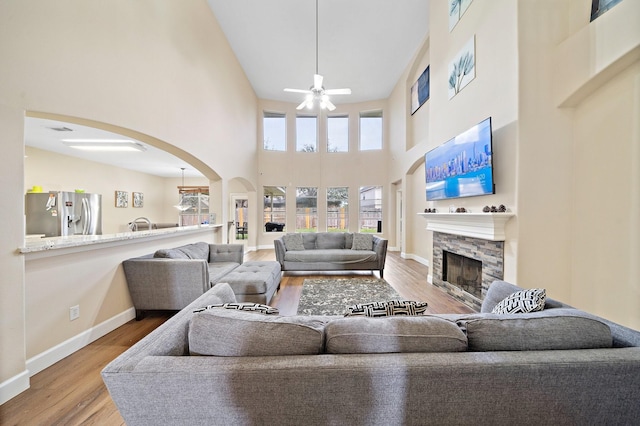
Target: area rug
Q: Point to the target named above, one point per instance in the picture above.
(332, 296)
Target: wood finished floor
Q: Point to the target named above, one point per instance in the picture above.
(71, 392)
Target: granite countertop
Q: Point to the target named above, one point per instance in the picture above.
(33, 245)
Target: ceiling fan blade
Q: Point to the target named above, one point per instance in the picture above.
(297, 91)
(317, 82)
(338, 92)
(330, 106)
(302, 105)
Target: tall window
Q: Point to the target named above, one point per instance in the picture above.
(338, 209)
(370, 130)
(306, 209)
(338, 133)
(370, 209)
(275, 131)
(274, 208)
(306, 133)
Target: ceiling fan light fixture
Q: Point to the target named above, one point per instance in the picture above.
(317, 91)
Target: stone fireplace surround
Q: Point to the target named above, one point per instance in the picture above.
(479, 236)
(490, 253)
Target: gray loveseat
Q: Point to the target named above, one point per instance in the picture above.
(434, 369)
(330, 251)
(170, 279)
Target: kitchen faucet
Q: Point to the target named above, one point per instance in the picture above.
(134, 227)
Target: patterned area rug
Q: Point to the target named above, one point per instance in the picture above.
(332, 296)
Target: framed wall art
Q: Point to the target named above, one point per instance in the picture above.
(420, 91)
(138, 199)
(457, 8)
(463, 68)
(122, 199)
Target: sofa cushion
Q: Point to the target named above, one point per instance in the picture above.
(386, 309)
(331, 255)
(362, 242)
(242, 306)
(554, 329)
(223, 332)
(293, 241)
(309, 240)
(521, 302)
(330, 240)
(395, 334)
(190, 251)
(218, 270)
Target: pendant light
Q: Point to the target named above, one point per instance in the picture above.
(181, 205)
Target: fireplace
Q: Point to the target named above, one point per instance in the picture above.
(465, 266)
(463, 272)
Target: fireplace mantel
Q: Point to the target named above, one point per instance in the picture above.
(487, 226)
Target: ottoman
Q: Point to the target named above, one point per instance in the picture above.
(255, 282)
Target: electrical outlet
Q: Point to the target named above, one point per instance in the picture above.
(74, 312)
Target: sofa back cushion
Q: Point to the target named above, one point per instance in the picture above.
(222, 332)
(330, 240)
(190, 251)
(555, 329)
(226, 253)
(356, 335)
(309, 240)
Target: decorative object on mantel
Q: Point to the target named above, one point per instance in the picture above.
(122, 199)
(461, 210)
(430, 211)
(494, 209)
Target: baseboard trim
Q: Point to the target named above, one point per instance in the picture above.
(418, 259)
(14, 386)
(49, 357)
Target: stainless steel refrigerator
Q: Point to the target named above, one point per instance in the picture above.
(57, 214)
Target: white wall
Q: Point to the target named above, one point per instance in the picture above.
(163, 70)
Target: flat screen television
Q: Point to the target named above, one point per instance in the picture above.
(462, 166)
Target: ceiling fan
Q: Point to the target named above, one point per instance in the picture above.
(317, 91)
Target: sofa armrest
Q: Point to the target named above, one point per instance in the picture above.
(280, 250)
(226, 253)
(171, 284)
(380, 247)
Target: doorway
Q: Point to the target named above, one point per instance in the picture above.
(241, 224)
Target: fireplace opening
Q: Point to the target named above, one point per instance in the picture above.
(463, 272)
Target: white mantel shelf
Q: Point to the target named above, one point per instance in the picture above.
(487, 226)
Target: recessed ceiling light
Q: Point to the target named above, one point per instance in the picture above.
(104, 145)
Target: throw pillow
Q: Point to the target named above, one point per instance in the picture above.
(385, 309)
(393, 335)
(223, 332)
(242, 306)
(362, 242)
(521, 302)
(293, 242)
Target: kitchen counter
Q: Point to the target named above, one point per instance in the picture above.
(55, 243)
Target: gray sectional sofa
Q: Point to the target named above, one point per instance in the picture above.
(331, 251)
(558, 366)
(170, 279)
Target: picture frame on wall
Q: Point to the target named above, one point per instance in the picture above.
(598, 7)
(138, 199)
(420, 91)
(122, 199)
(462, 70)
(457, 8)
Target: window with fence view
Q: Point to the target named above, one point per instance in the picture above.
(370, 214)
(306, 209)
(274, 208)
(338, 209)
